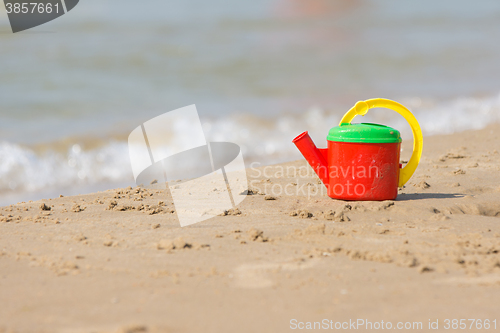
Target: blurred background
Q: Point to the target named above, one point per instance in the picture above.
(260, 72)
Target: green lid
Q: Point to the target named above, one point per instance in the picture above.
(364, 132)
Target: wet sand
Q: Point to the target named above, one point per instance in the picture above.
(118, 261)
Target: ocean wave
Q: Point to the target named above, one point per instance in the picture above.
(23, 170)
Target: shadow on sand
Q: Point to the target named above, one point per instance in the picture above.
(421, 196)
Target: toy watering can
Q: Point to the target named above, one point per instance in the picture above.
(362, 160)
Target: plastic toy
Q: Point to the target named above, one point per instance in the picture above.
(362, 160)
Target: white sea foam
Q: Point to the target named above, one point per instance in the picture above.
(21, 170)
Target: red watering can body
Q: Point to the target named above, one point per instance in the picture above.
(362, 160)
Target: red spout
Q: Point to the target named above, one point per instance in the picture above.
(317, 158)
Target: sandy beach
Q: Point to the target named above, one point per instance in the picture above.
(103, 101)
(118, 261)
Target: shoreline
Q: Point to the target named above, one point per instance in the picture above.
(79, 163)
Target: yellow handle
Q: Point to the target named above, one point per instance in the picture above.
(362, 107)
